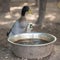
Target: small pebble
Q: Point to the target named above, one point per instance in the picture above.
(18, 58)
(6, 57)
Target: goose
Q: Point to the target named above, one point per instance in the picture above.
(20, 25)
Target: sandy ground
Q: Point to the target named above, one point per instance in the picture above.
(51, 25)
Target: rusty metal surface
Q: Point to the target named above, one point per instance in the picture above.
(32, 51)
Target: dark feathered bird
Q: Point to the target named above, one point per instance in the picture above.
(20, 25)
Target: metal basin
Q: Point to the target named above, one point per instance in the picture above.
(32, 46)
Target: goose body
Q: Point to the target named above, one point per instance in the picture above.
(21, 24)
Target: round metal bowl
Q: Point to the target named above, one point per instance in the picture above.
(31, 51)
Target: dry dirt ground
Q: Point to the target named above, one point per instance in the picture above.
(52, 27)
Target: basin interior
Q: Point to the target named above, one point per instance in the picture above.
(32, 38)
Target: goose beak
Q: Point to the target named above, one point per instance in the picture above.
(30, 11)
